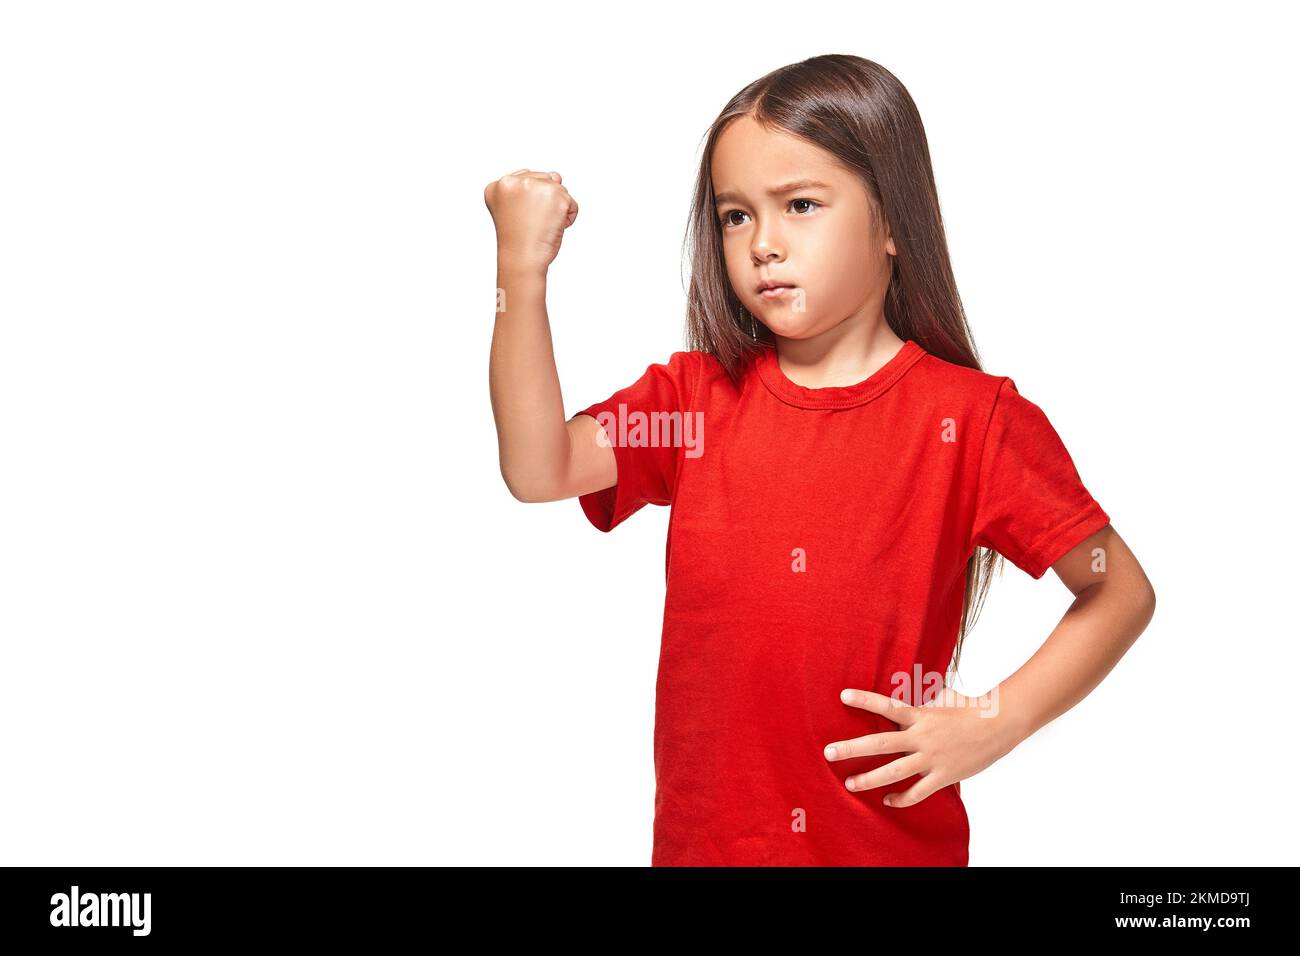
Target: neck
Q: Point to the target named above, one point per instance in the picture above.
(845, 355)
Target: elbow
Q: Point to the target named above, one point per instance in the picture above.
(525, 490)
(1147, 607)
(520, 495)
(1142, 596)
(520, 492)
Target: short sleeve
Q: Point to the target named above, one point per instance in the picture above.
(1030, 504)
(650, 426)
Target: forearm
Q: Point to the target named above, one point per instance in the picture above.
(532, 440)
(1099, 627)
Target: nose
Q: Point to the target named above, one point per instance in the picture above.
(766, 244)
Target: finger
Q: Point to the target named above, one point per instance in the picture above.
(573, 214)
(889, 707)
(887, 742)
(917, 792)
(892, 772)
(556, 176)
(530, 174)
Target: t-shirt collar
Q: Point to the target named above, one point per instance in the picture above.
(843, 396)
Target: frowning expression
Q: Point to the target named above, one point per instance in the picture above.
(789, 213)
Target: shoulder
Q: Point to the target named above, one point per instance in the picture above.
(708, 365)
(994, 406)
(696, 372)
(972, 385)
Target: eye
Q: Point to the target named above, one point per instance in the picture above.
(725, 218)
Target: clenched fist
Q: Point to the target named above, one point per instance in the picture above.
(531, 210)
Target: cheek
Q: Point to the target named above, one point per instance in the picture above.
(737, 261)
(839, 265)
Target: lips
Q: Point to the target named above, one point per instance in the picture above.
(773, 290)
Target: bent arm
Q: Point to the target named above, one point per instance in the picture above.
(1112, 607)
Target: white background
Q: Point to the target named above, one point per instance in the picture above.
(264, 597)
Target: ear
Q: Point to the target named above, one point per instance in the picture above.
(889, 240)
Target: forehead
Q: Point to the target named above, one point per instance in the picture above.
(750, 158)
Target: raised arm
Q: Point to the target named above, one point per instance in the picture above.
(542, 457)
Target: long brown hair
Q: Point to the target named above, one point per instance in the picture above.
(859, 112)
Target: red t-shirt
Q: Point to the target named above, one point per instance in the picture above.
(818, 540)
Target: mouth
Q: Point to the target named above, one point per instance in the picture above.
(774, 291)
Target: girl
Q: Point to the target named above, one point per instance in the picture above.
(843, 479)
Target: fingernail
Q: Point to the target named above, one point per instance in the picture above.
(830, 753)
(849, 783)
(846, 695)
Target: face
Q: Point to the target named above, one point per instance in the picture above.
(820, 238)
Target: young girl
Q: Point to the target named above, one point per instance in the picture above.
(841, 473)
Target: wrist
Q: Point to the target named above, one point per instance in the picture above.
(1011, 714)
(512, 269)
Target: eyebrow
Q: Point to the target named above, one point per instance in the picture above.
(775, 190)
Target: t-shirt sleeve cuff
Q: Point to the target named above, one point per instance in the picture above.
(607, 508)
(1058, 542)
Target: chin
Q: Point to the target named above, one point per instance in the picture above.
(795, 326)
